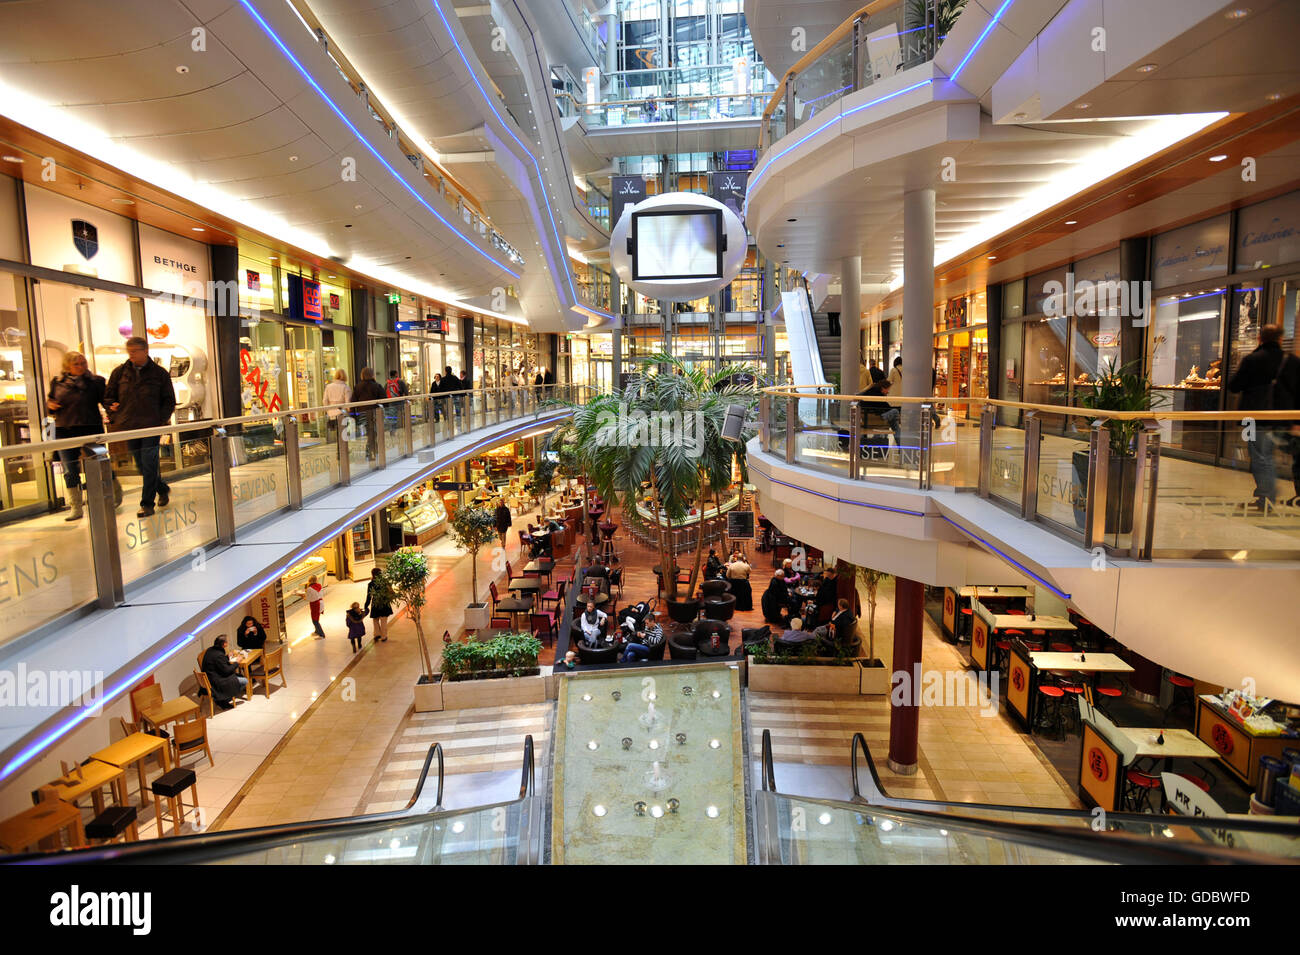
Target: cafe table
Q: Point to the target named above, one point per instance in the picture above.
(1091, 662)
(172, 711)
(527, 585)
(94, 775)
(135, 748)
(1178, 744)
(514, 605)
(43, 821)
(244, 661)
(542, 566)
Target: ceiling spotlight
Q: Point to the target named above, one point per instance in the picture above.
(198, 229)
(1071, 221)
(182, 69)
(1219, 158)
(357, 207)
(12, 158)
(1147, 68)
(123, 202)
(293, 159)
(992, 257)
(1271, 97)
(1083, 106)
(1238, 14)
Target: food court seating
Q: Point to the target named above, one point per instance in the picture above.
(191, 737)
(270, 666)
(113, 822)
(1184, 689)
(205, 692)
(720, 608)
(1048, 716)
(681, 646)
(1139, 787)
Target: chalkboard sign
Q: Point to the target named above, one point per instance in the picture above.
(740, 525)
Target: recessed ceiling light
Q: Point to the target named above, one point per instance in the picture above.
(198, 228)
(1083, 106)
(293, 159)
(123, 202)
(333, 276)
(1147, 68)
(1219, 158)
(182, 69)
(1238, 14)
(992, 256)
(12, 158)
(1071, 221)
(1273, 97)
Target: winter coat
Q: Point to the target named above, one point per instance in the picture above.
(254, 641)
(356, 624)
(79, 398)
(144, 396)
(377, 600)
(221, 673)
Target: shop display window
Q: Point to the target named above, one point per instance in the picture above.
(262, 370)
(257, 281)
(90, 321)
(1186, 364)
(1044, 361)
(178, 341)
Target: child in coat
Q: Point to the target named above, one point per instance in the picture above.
(356, 625)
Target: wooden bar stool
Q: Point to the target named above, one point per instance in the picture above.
(171, 786)
(114, 822)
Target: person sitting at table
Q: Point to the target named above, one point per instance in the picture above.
(592, 624)
(640, 644)
(794, 638)
(251, 635)
(840, 635)
(828, 590)
(222, 674)
(714, 567)
(789, 573)
(776, 601)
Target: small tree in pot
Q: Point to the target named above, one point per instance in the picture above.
(874, 668)
(408, 575)
(471, 529)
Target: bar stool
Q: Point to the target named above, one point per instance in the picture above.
(1184, 693)
(1103, 693)
(1049, 708)
(964, 626)
(113, 822)
(1138, 787)
(607, 532)
(1059, 646)
(171, 786)
(1003, 648)
(1073, 692)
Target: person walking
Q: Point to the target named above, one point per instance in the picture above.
(369, 390)
(356, 620)
(396, 386)
(833, 324)
(379, 603)
(311, 593)
(74, 397)
(463, 385)
(1268, 379)
(503, 519)
(139, 395)
(337, 393)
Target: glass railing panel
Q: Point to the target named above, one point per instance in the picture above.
(259, 477)
(824, 82)
(484, 836)
(955, 451)
(1206, 510)
(777, 426)
(49, 569)
(892, 40)
(394, 432)
(318, 457)
(1007, 465)
(822, 434)
(364, 444)
(419, 423)
(1062, 481)
(891, 444)
(188, 521)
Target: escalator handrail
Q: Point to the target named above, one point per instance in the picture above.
(769, 770)
(889, 803)
(528, 780)
(435, 749)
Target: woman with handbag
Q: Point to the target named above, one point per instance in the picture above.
(379, 603)
(74, 398)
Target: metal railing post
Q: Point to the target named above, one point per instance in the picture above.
(408, 436)
(926, 447)
(764, 421)
(857, 53)
(293, 461)
(1094, 511)
(103, 527)
(378, 423)
(791, 428)
(987, 419)
(223, 493)
(1029, 486)
(1146, 518)
(347, 426)
(431, 420)
(855, 440)
(789, 104)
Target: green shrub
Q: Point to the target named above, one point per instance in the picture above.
(511, 652)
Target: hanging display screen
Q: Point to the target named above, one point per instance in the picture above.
(677, 245)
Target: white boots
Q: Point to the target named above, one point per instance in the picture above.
(74, 498)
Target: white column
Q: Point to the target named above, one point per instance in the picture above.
(850, 323)
(918, 296)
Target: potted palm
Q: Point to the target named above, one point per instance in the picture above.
(1117, 388)
(622, 441)
(471, 529)
(407, 574)
(875, 678)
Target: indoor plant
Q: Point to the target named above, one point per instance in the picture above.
(875, 678)
(471, 529)
(407, 574)
(1117, 388)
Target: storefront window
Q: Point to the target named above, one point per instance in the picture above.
(1097, 322)
(263, 381)
(1191, 254)
(1268, 233)
(1186, 363)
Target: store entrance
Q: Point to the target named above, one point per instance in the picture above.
(1283, 303)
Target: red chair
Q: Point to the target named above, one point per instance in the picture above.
(446, 636)
(542, 623)
(511, 576)
(502, 623)
(496, 594)
(1049, 708)
(555, 596)
(1184, 693)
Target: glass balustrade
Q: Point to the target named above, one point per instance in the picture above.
(259, 475)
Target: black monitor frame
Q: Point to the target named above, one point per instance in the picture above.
(721, 242)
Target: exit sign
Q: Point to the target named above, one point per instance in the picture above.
(394, 298)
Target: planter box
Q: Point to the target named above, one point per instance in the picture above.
(1121, 480)
(472, 694)
(875, 680)
(428, 696)
(477, 616)
(805, 678)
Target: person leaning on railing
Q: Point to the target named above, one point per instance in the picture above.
(74, 397)
(337, 393)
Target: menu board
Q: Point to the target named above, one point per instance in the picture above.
(740, 525)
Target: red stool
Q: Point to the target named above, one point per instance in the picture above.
(964, 626)
(1004, 654)
(1073, 691)
(1184, 693)
(1049, 708)
(1059, 647)
(1138, 789)
(1012, 612)
(1103, 693)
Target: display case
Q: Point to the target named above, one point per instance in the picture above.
(296, 578)
(423, 522)
(361, 550)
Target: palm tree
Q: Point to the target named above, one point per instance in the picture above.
(619, 448)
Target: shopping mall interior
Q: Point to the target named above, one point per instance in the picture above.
(649, 431)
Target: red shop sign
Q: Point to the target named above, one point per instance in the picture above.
(1098, 764)
(1222, 739)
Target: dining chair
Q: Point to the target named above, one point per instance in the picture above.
(205, 692)
(191, 737)
(501, 623)
(145, 698)
(271, 665)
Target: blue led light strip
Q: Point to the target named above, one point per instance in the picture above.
(266, 28)
(559, 242)
(1007, 557)
(36, 747)
(980, 41)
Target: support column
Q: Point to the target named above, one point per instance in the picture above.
(918, 300)
(850, 323)
(615, 356)
(769, 298)
(905, 715)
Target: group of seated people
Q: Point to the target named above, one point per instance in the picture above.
(838, 636)
(638, 635)
(784, 607)
(736, 572)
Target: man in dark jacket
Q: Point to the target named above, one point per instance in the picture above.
(828, 591)
(1268, 379)
(140, 395)
(368, 389)
(224, 676)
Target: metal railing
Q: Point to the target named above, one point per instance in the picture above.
(880, 40)
(1102, 479)
(224, 475)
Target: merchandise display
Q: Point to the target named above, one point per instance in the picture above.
(297, 576)
(422, 522)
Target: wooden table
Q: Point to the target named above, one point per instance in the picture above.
(245, 660)
(171, 711)
(524, 584)
(135, 749)
(1093, 662)
(43, 821)
(1011, 621)
(1178, 743)
(515, 605)
(95, 775)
